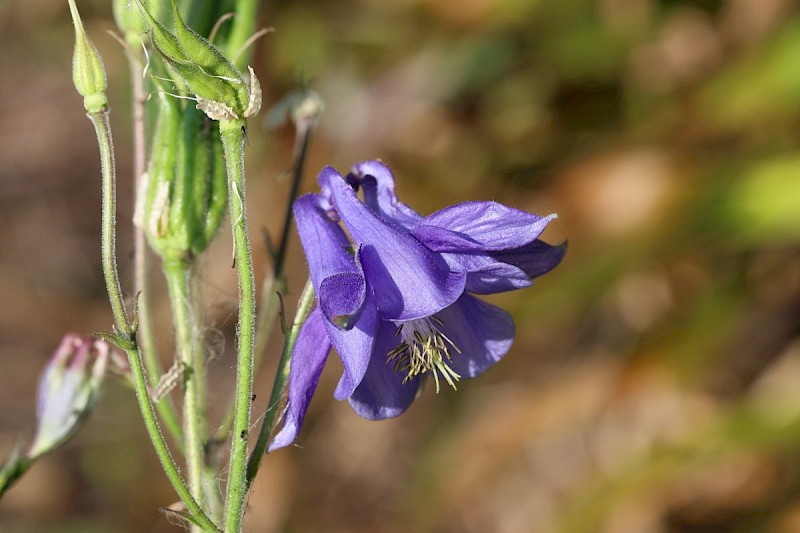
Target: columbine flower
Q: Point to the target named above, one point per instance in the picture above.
(68, 389)
(396, 302)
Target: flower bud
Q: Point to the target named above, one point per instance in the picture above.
(128, 20)
(220, 89)
(68, 389)
(185, 194)
(88, 73)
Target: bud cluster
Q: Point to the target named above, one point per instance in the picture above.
(221, 91)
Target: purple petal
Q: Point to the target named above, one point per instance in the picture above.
(487, 275)
(354, 347)
(382, 393)
(308, 359)
(479, 226)
(378, 183)
(536, 258)
(483, 333)
(341, 298)
(497, 277)
(409, 281)
(337, 279)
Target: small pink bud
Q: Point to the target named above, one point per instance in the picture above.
(68, 389)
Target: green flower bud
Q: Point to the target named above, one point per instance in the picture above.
(128, 20)
(222, 92)
(88, 73)
(185, 195)
(68, 389)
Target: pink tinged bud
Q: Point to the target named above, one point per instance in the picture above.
(68, 389)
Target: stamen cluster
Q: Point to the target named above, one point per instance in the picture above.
(424, 348)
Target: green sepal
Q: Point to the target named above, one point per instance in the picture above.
(127, 19)
(203, 53)
(220, 88)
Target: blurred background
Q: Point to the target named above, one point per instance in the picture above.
(654, 385)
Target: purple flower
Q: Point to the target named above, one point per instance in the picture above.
(395, 298)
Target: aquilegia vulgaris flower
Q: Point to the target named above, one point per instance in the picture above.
(395, 298)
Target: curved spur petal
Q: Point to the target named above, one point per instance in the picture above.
(338, 280)
(482, 332)
(355, 347)
(487, 275)
(536, 258)
(382, 393)
(479, 226)
(409, 281)
(378, 183)
(308, 360)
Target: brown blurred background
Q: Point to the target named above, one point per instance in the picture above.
(655, 382)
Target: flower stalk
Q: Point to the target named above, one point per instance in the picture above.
(125, 335)
(141, 286)
(90, 81)
(190, 357)
(233, 138)
(279, 385)
(13, 469)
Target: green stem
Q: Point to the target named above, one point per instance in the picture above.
(270, 416)
(190, 355)
(165, 407)
(244, 24)
(162, 450)
(302, 142)
(109, 221)
(271, 288)
(125, 336)
(232, 133)
(268, 310)
(275, 282)
(212, 498)
(13, 469)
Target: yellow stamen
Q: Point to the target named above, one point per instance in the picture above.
(424, 348)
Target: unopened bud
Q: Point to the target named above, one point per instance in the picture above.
(221, 91)
(185, 191)
(68, 389)
(88, 73)
(129, 21)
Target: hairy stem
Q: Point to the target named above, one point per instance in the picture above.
(125, 334)
(270, 416)
(102, 128)
(190, 355)
(232, 133)
(275, 282)
(196, 512)
(146, 336)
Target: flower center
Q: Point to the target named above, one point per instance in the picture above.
(424, 348)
